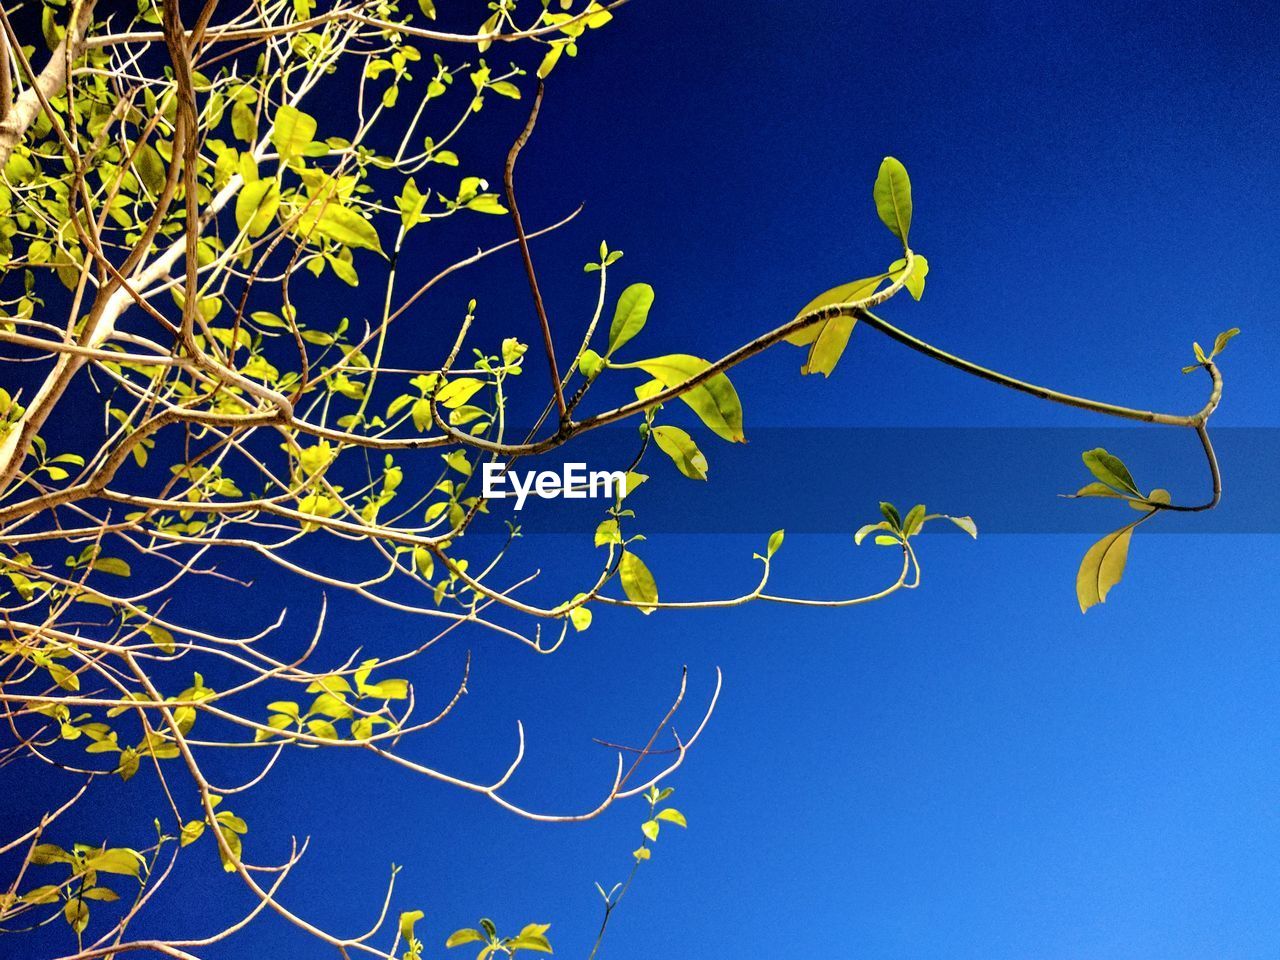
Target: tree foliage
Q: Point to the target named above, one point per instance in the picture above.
(178, 193)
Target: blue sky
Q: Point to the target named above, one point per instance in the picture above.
(973, 770)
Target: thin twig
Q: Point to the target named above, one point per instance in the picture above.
(509, 180)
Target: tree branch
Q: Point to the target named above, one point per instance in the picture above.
(509, 180)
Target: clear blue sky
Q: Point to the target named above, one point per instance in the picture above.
(974, 770)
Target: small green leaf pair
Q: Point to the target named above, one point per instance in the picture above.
(1104, 563)
(532, 937)
(897, 529)
(1219, 344)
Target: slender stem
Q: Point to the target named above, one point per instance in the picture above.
(1215, 476)
(1044, 393)
(1197, 421)
(509, 180)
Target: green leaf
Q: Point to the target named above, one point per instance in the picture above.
(630, 315)
(714, 400)
(914, 281)
(890, 513)
(1156, 496)
(650, 829)
(112, 565)
(128, 763)
(486, 203)
(192, 830)
(410, 204)
(551, 58)
(46, 894)
(533, 942)
(845, 293)
(580, 617)
(424, 562)
(100, 893)
(333, 684)
(966, 524)
(869, 528)
(457, 392)
(465, 935)
(1110, 470)
(63, 677)
(229, 821)
(292, 131)
(505, 88)
(638, 582)
(672, 815)
(386, 690)
(607, 533)
(161, 637)
(343, 225)
(235, 844)
(323, 729)
(892, 194)
(1222, 340)
(120, 860)
(407, 920)
(829, 346)
(775, 541)
(1095, 489)
(679, 446)
(77, 915)
(151, 168)
(244, 123)
(44, 854)
(256, 205)
(914, 520)
(1103, 566)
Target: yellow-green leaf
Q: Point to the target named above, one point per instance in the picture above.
(775, 541)
(343, 225)
(292, 131)
(77, 915)
(1110, 470)
(914, 281)
(829, 346)
(631, 314)
(1102, 567)
(679, 446)
(119, 860)
(257, 205)
(580, 617)
(465, 935)
(638, 582)
(407, 920)
(845, 293)
(893, 197)
(714, 400)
